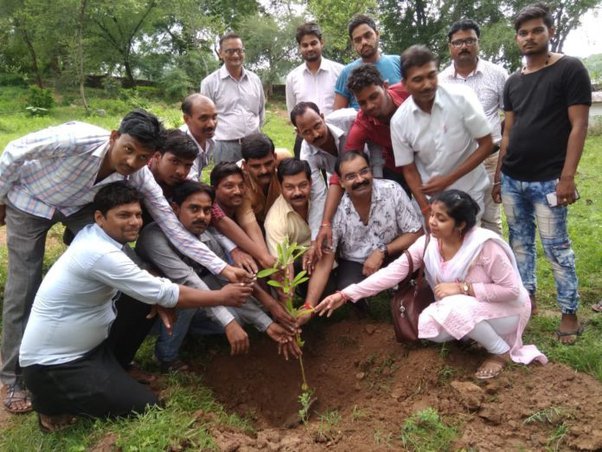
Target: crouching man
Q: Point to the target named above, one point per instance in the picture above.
(67, 355)
(192, 203)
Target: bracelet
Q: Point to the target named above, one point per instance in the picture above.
(325, 225)
(345, 297)
(307, 305)
(497, 183)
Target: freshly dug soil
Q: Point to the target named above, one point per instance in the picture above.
(366, 385)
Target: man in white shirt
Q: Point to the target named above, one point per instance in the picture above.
(67, 356)
(238, 96)
(487, 80)
(315, 79)
(440, 134)
(200, 118)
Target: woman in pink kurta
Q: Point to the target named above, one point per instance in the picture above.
(475, 280)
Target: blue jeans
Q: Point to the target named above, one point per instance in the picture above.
(194, 320)
(526, 205)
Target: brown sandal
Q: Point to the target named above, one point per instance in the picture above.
(51, 424)
(17, 395)
(492, 366)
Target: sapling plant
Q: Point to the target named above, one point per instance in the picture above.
(286, 281)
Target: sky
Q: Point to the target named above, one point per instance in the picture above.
(587, 39)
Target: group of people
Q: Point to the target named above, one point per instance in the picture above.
(391, 155)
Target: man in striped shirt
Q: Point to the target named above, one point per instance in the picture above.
(52, 176)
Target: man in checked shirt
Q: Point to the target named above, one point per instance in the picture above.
(52, 176)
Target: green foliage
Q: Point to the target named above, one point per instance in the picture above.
(12, 79)
(305, 400)
(40, 101)
(426, 431)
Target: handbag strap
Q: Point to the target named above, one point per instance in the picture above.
(411, 264)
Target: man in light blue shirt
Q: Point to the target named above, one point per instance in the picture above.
(67, 355)
(365, 39)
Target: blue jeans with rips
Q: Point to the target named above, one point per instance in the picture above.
(526, 206)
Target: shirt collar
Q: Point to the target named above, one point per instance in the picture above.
(451, 72)
(223, 73)
(99, 231)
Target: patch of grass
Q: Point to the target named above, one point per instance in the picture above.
(358, 413)
(445, 374)
(557, 438)
(426, 431)
(184, 423)
(383, 439)
(551, 415)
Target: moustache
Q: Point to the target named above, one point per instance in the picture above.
(299, 197)
(200, 223)
(360, 185)
(209, 129)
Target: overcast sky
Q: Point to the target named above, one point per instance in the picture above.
(586, 40)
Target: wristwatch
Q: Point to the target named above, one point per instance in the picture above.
(383, 248)
(465, 287)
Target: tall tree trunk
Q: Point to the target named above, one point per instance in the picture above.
(80, 52)
(34, 56)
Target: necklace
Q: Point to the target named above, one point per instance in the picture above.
(525, 68)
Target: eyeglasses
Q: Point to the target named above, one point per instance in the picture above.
(468, 41)
(352, 176)
(231, 52)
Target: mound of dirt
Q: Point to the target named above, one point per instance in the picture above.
(366, 385)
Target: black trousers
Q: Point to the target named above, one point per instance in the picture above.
(95, 385)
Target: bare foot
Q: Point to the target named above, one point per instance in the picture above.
(569, 329)
(492, 366)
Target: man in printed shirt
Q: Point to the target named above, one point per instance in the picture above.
(238, 96)
(487, 80)
(374, 221)
(68, 352)
(52, 176)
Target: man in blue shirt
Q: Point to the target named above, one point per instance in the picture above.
(365, 38)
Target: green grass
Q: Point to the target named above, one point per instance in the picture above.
(427, 431)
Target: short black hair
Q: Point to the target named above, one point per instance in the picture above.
(363, 76)
(464, 24)
(293, 166)
(115, 194)
(360, 19)
(416, 56)
(256, 146)
(223, 170)
(144, 127)
(308, 28)
(228, 35)
(300, 110)
(179, 144)
(348, 156)
(534, 11)
(183, 191)
(459, 206)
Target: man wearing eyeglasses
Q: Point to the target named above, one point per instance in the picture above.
(238, 97)
(487, 80)
(374, 222)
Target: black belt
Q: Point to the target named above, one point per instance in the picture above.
(237, 140)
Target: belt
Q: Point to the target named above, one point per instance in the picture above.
(237, 140)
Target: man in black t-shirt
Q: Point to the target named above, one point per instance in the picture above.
(546, 107)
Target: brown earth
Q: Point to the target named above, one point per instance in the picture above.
(359, 372)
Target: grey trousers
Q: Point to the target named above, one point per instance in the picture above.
(226, 151)
(26, 240)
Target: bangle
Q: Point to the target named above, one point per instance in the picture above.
(426, 209)
(345, 297)
(325, 225)
(307, 305)
(497, 183)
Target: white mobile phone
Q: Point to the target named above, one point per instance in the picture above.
(553, 200)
